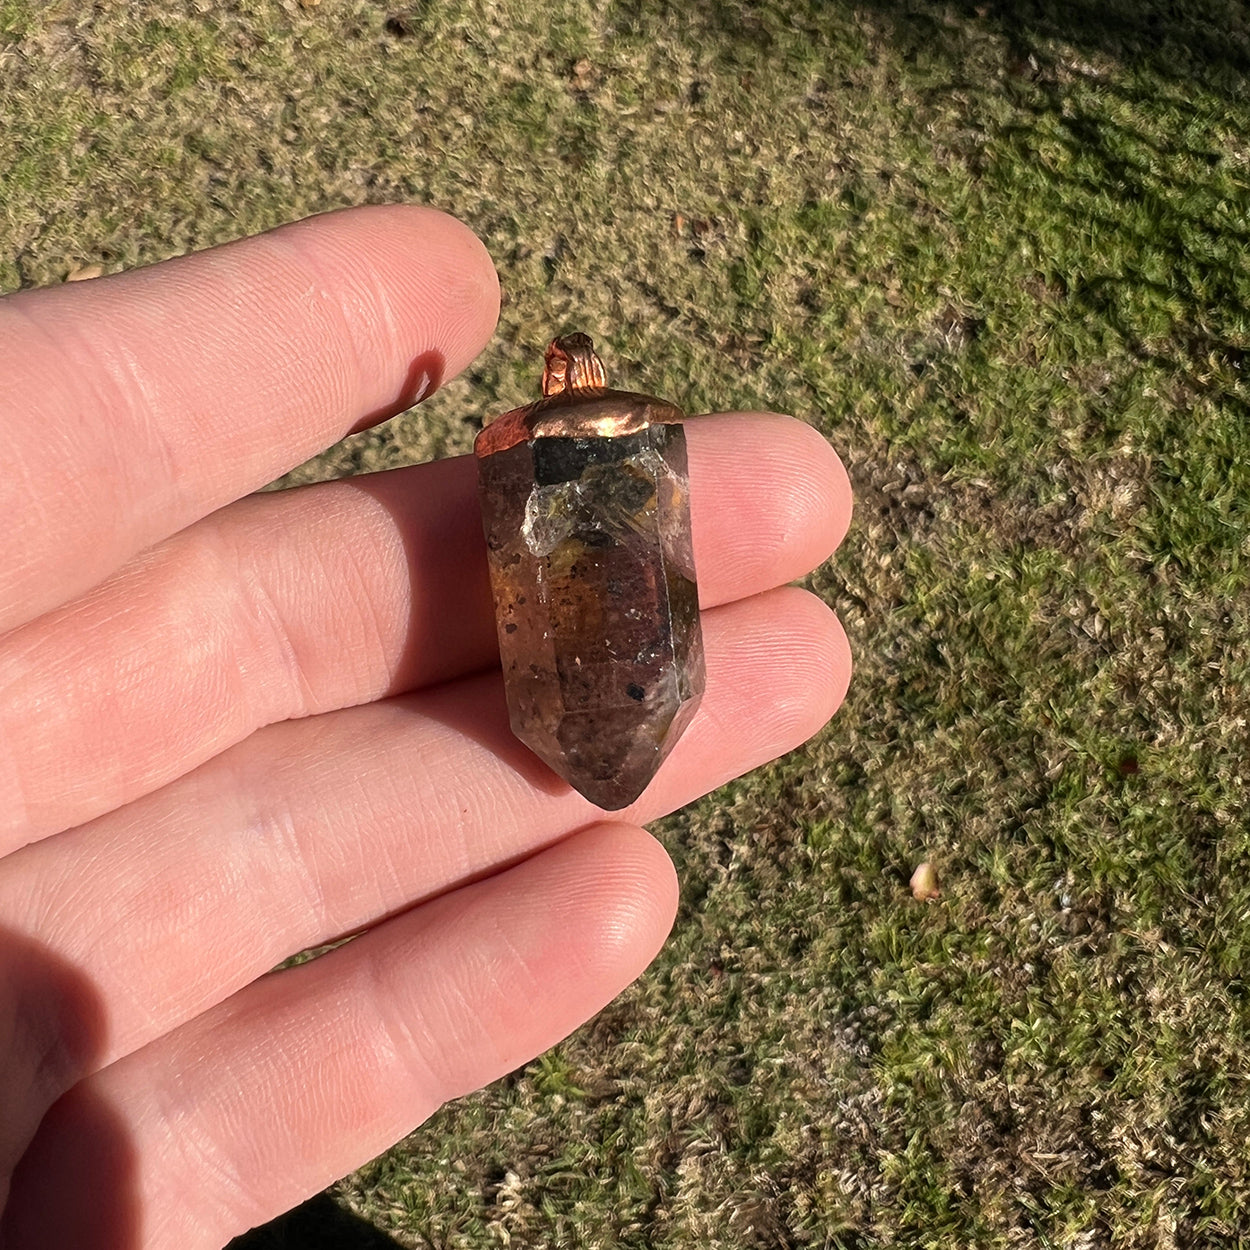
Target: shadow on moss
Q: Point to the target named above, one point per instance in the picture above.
(318, 1224)
(1203, 41)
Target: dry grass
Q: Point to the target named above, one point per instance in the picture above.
(996, 253)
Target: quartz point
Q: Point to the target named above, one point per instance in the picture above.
(586, 508)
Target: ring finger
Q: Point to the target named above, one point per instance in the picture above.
(312, 829)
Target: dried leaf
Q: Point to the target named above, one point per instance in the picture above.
(924, 883)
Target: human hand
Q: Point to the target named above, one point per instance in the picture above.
(236, 726)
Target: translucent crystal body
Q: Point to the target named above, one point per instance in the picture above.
(596, 602)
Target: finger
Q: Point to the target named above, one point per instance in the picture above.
(303, 1076)
(287, 605)
(312, 829)
(138, 403)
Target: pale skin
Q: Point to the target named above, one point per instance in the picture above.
(235, 726)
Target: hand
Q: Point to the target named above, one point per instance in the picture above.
(236, 726)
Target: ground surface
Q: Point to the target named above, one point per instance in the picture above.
(997, 253)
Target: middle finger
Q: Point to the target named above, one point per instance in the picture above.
(316, 828)
(294, 604)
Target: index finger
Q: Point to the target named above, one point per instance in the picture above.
(131, 406)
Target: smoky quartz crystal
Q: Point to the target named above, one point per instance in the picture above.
(586, 507)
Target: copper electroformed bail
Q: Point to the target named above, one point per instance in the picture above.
(572, 365)
(576, 403)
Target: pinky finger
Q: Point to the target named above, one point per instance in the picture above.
(307, 1073)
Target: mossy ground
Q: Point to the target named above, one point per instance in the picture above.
(997, 253)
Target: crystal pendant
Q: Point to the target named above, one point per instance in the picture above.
(586, 507)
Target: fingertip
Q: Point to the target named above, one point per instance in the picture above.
(822, 490)
(812, 671)
(411, 280)
(537, 949)
(646, 891)
(778, 668)
(617, 888)
(771, 502)
(842, 662)
(836, 484)
(470, 270)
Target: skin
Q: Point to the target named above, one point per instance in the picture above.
(233, 727)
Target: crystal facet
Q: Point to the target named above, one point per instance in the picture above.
(585, 504)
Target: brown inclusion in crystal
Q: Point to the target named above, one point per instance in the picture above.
(586, 507)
